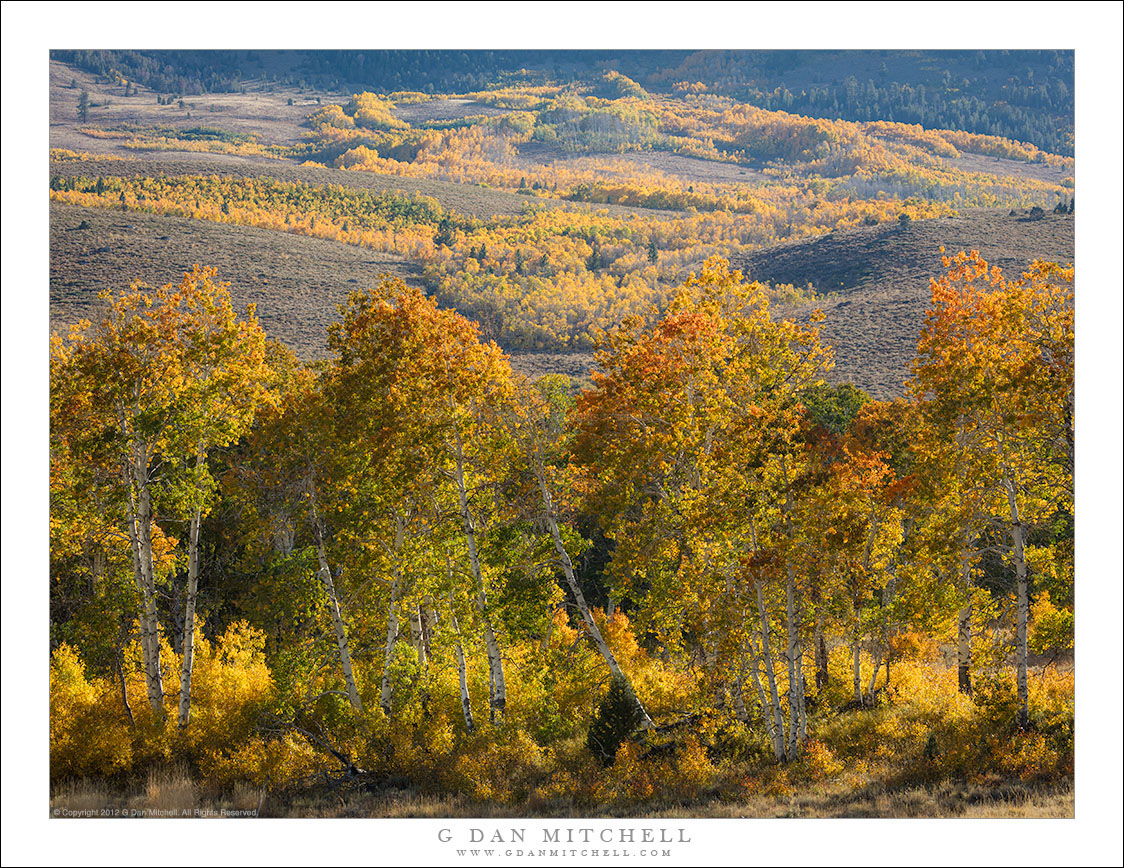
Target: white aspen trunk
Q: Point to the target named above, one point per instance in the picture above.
(575, 589)
(386, 697)
(549, 633)
(858, 615)
(491, 692)
(189, 607)
(145, 631)
(802, 730)
(462, 668)
(97, 569)
(764, 700)
(337, 618)
(140, 535)
(793, 653)
(740, 711)
(610, 606)
(856, 659)
(820, 645)
(428, 626)
(1023, 715)
(462, 676)
(964, 649)
(417, 635)
(777, 728)
(887, 598)
(497, 687)
(874, 676)
(964, 628)
(189, 620)
(119, 665)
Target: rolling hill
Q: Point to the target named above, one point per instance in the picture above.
(874, 281)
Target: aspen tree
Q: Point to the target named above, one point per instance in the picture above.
(154, 379)
(691, 432)
(417, 386)
(995, 372)
(225, 375)
(538, 427)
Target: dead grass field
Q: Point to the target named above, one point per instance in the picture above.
(1009, 168)
(296, 282)
(265, 114)
(444, 110)
(687, 169)
(173, 790)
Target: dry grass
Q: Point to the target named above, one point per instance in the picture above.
(167, 792)
(1009, 168)
(295, 281)
(265, 114)
(247, 797)
(173, 790)
(444, 110)
(943, 801)
(170, 789)
(81, 796)
(690, 170)
(876, 281)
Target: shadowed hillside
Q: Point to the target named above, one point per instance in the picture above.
(296, 282)
(875, 280)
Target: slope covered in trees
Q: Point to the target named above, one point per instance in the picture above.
(871, 282)
(1024, 95)
(407, 561)
(549, 210)
(806, 529)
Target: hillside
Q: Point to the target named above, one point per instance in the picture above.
(296, 282)
(381, 572)
(568, 211)
(874, 281)
(1026, 95)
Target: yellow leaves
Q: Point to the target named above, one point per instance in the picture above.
(980, 343)
(231, 682)
(332, 116)
(89, 731)
(367, 111)
(1051, 627)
